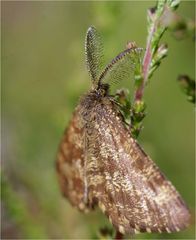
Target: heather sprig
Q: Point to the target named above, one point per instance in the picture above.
(158, 20)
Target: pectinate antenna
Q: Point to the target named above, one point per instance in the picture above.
(121, 66)
(94, 54)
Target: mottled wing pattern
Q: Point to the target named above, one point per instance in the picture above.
(70, 164)
(126, 183)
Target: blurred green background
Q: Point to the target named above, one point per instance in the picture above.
(43, 76)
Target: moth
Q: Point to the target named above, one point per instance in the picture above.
(100, 163)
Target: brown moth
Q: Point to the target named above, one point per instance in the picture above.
(100, 163)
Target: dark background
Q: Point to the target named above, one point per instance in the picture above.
(43, 76)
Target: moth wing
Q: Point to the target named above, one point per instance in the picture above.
(129, 187)
(70, 164)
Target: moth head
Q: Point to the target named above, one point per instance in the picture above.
(102, 90)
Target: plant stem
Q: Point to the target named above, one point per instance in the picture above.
(153, 54)
(146, 60)
(145, 68)
(159, 19)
